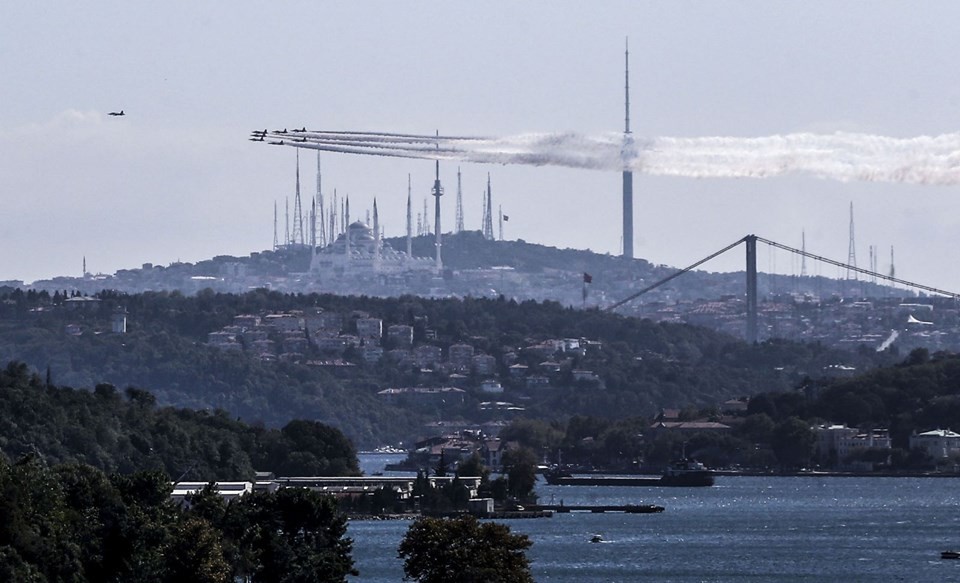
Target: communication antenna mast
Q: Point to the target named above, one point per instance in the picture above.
(286, 212)
(274, 225)
(427, 229)
(488, 214)
(298, 238)
(852, 252)
(483, 221)
(459, 225)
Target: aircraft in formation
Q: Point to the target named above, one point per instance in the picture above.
(116, 113)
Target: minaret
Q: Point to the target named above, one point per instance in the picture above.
(376, 236)
(409, 222)
(321, 218)
(298, 235)
(346, 217)
(85, 265)
(627, 174)
(459, 226)
(437, 193)
(332, 232)
(313, 230)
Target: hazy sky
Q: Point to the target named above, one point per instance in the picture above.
(177, 179)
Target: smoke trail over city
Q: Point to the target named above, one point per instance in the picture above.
(839, 156)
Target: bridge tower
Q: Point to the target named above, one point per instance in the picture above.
(751, 241)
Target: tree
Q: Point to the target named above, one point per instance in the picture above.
(520, 465)
(441, 550)
(793, 443)
(293, 535)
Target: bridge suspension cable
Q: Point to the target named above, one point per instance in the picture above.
(673, 276)
(889, 278)
(840, 264)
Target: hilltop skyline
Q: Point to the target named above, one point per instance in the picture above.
(176, 179)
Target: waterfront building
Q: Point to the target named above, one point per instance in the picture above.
(939, 443)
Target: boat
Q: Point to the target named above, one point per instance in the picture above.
(687, 472)
(684, 472)
(950, 555)
(596, 538)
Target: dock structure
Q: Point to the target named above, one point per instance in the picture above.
(627, 508)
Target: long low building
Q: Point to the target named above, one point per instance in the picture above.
(333, 485)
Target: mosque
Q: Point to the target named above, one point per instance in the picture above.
(360, 252)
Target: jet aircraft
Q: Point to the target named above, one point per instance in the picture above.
(116, 113)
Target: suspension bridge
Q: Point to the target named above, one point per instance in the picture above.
(750, 241)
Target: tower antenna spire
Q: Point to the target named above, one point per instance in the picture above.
(626, 87)
(459, 225)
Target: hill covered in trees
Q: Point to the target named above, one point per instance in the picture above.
(635, 366)
(127, 432)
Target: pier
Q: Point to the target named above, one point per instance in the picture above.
(628, 508)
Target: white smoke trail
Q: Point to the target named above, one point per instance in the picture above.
(840, 156)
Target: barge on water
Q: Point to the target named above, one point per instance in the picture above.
(683, 473)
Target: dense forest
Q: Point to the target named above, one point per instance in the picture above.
(127, 432)
(640, 366)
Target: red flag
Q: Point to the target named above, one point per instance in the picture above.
(587, 278)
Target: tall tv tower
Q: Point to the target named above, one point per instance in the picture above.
(437, 193)
(627, 174)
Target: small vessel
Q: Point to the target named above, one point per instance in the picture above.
(687, 472)
(950, 555)
(596, 538)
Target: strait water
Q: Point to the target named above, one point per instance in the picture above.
(741, 529)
